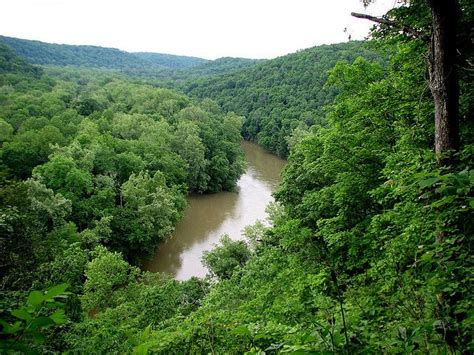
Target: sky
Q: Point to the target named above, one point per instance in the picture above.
(203, 28)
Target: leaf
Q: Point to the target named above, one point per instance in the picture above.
(21, 314)
(10, 329)
(4, 324)
(338, 339)
(141, 349)
(132, 339)
(13, 344)
(35, 298)
(146, 333)
(56, 291)
(41, 322)
(58, 317)
(38, 338)
(274, 347)
(311, 337)
(259, 336)
(427, 257)
(428, 182)
(241, 330)
(443, 201)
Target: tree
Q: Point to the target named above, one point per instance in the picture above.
(190, 147)
(6, 131)
(442, 68)
(105, 273)
(226, 258)
(50, 207)
(444, 83)
(149, 211)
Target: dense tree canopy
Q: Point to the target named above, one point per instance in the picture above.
(92, 56)
(280, 95)
(166, 69)
(101, 161)
(370, 246)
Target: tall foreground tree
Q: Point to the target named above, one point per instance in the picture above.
(442, 64)
(443, 77)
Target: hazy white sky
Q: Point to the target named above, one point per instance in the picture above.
(202, 28)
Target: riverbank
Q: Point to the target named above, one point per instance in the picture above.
(208, 217)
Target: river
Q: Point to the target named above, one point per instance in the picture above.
(207, 217)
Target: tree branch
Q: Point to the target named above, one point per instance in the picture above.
(380, 20)
(390, 23)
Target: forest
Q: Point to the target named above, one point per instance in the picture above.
(96, 57)
(369, 249)
(167, 69)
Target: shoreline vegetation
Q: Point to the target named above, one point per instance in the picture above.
(370, 247)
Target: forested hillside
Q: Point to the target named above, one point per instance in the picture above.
(170, 60)
(276, 97)
(282, 94)
(164, 69)
(96, 57)
(94, 163)
(370, 246)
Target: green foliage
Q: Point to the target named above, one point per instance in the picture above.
(105, 273)
(54, 208)
(108, 163)
(371, 252)
(6, 131)
(149, 211)
(41, 311)
(92, 56)
(227, 258)
(145, 302)
(370, 244)
(278, 95)
(101, 165)
(164, 68)
(11, 63)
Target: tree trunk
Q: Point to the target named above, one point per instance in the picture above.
(444, 79)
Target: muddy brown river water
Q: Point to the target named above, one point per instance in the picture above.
(207, 217)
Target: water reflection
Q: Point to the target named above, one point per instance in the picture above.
(207, 217)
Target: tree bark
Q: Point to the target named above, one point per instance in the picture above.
(443, 78)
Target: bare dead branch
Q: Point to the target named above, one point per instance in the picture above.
(384, 21)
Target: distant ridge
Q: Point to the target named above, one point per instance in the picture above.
(38, 52)
(170, 60)
(144, 65)
(278, 95)
(10, 62)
